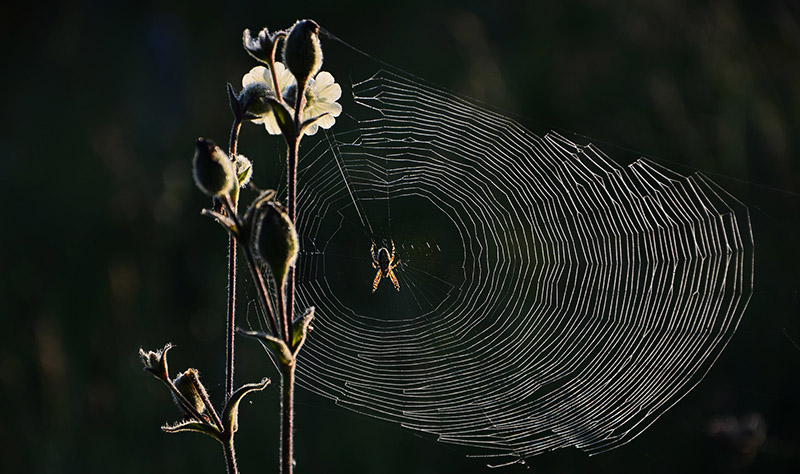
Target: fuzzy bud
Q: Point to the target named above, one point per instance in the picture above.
(302, 53)
(188, 384)
(260, 46)
(253, 99)
(244, 170)
(155, 362)
(275, 240)
(213, 170)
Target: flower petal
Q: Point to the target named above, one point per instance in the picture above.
(257, 74)
(271, 124)
(326, 121)
(323, 79)
(319, 108)
(311, 129)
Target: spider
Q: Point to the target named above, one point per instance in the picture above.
(384, 263)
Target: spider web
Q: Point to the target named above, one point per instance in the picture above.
(548, 297)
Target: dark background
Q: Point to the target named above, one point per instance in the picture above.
(103, 248)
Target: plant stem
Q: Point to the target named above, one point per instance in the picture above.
(231, 325)
(294, 149)
(234, 139)
(280, 293)
(287, 417)
(287, 370)
(231, 321)
(230, 456)
(258, 279)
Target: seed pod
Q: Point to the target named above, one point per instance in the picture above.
(188, 384)
(275, 240)
(213, 170)
(155, 362)
(302, 53)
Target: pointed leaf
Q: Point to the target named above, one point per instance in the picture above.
(230, 417)
(275, 345)
(284, 118)
(233, 100)
(265, 197)
(300, 329)
(195, 426)
(223, 220)
(310, 121)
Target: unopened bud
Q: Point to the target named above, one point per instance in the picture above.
(244, 170)
(188, 384)
(155, 362)
(213, 170)
(302, 53)
(275, 240)
(260, 46)
(253, 99)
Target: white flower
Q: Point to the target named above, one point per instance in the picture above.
(261, 74)
(321, 96)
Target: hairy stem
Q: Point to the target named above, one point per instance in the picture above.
(230, 456)
(280, 292)
(231, 320)
(294, 149)
(287, 417)
(258, 279)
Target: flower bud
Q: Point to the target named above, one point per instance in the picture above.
(302, 53)
(275, 240)
(253, 99)
(213, 171)
(188, 384)
(244, 170)
(260, 46)
(155, 362)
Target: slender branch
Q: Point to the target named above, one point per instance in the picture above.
(231, 321)
(233, 143)
(287, 417)
(278, 92)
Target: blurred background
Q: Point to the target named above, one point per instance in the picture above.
(105, 251)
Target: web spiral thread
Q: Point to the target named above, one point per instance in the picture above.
(549, 297)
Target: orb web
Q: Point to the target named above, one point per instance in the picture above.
(548, 297)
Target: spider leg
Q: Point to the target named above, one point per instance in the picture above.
(377, 280)
(391, 259)
(394, 280)
(372, 254)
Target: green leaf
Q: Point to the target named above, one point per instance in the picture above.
(300, 329)
(310, 121)
(222, 219)
(261, 200)
(230, 417)
(195, 426)
(284, 118)
(233, 101)
(275, 345)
